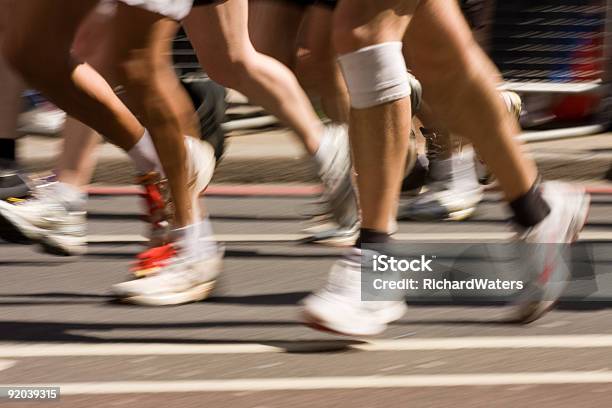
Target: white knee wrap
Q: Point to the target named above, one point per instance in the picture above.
(375, 75)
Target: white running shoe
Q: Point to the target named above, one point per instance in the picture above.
(182, 280)
(442, 203)
(335, 170)
(546, 241)
(201, 166)
(453, 191)
(44, 119)
(46, 219)
(322, 230)
(14, 184)
(156, 191)
(338, 306)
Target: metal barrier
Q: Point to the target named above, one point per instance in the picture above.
(542, 47)
(556, 48)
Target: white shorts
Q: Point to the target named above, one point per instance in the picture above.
(175, 9)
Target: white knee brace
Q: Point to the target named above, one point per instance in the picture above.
(375, 75)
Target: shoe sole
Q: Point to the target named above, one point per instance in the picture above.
(333, 238)
(324, 326)
(51, 244)
(195, 294)
(143, 273)
(460, 215)
(319, 323)
(10, 233)
(535, 310)
(11, 230)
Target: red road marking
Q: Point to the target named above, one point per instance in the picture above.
(262, 190)
(596, 190)
(599, 190)
(255, 190)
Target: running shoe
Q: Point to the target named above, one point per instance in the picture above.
(152, 260)
(324, 231)
(452, 194)
(43, 119)
(156, 191)
(441, 203)
(14, 183)
(44, 218)
(159, 206)
(338, 307)
(546, 243)
(335, 170)
(182, 280)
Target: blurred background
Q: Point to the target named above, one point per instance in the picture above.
(246, 347)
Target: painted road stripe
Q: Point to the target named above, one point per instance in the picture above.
(139, 239)
(487, 236)
(326, 383)
(12, 350)
(479, 237)
(6, 364)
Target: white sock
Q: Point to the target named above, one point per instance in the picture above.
(196, 240)
(74, 199)
(461, 169)
(144, 155)
(325, 150)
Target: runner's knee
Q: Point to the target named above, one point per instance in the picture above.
(375, 75)
(232, 70)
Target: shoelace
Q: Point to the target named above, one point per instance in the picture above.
(155, 203)
(158, 206)
(38, 195)
(153, 258)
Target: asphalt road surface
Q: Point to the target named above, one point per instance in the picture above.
(246, 347)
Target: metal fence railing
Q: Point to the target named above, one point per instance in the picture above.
(560, 49)
(556, 49)
(554, 43)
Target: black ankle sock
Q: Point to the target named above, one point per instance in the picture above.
(370, 236)
(7, 150)
(530, 209)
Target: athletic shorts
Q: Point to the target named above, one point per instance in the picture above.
(175, 9)
(326, 3)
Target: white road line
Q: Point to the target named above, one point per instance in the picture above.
(487, 236)
(138, 239)
(132, 349)
(479, 343)
(13, 350)
(327, 383)
(6, 364)
(444, 237)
